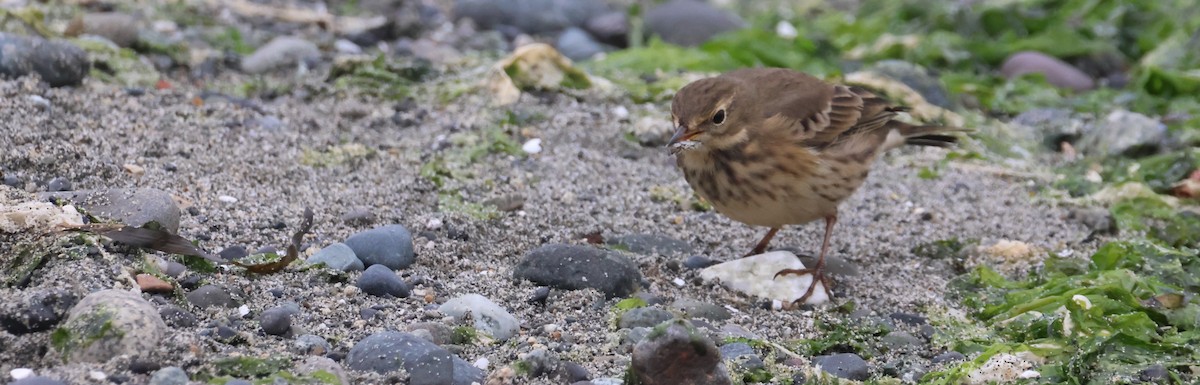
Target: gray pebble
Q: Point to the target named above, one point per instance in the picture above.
(359, 216)
(37, 380)
(171, 375)
(678, 355)
(648, 244)
(489, 317)
(467, 374)
(425, 362)
(380, 281)
(698, 262)
(573, 267)
(57, 62)
(577, 45)
(845, 365)
(211, 295)
(131, 326)
(311, 345)
(337, 256)
(950, 356)
(610, 28)
(689, 22)
(1123, 132)
(313, 364)
(697, 309)
(177, 317)
(279, 52)
(134, 207)
(389, 245)
(43, 310)
(644, 317)
(576, 372)
(276, 321)
(58, 184)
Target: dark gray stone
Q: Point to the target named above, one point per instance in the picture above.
(574, 267)
(610, 28)
(530, 16)
(380, 281)
(41, 312)
(743, 355)
(950, 356)
(57, 62)
(133, 207)
(211, 295)
(425, 362)
(467, 374)
(37, 380)
(845, 365)
(171, 375)
(176, 317)
(644, 317)
(59, 184)
(698, 262)
(689, 22)
(276, 321)
(576, 372)
(577, 45)
(389, 245)
(697, 309)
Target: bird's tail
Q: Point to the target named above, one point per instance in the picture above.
(930, 135)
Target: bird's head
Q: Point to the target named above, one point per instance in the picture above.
(710, 113)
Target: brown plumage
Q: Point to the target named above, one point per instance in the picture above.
(774, 147)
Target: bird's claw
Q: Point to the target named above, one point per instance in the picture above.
(818, 276)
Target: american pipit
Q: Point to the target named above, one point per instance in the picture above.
(773, 147)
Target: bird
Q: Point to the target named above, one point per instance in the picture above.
(772, 147)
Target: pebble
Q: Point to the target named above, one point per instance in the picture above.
(11, 180)
(57, 62)
(227, 199)
(466, 374)
(58, 184)
(1123, 133)
(539, 296)
(359, 216)
(678, 355)
(380, 281)
(389, 246)
(576, 44)
(576, 372)
(743, 355)
(1049, 126)
(1097, 219)
(440, 333)
(311, 345)
(234, 252)
(649, 244)
(425, 362)
(755, 275)
(313, 364)
(698, 262)
(652, 131)
(142, 365)
(171, 375)
(42, 311)
(689, 22)
(276, 321)
(134, 207)
(573, 267)
(916, 77)
(1154, 373)
(532, 146)
(1057, 72)
(948, 357)
(644, 317)
(900, 341)
(610, 28)
(279, 52)
(529, 16)
(909, 319)
(20, 373)
(151, 284)
(119, 28)
(489, 317)
(337, 256)
(541, 362)
(132, 327)
(210, 296)
(698, 309)
(844, 365)
(172, 269)
(37, 380)
(177, 317)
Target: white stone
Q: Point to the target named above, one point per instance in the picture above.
(482, 363)
(20, 373)
(532, 146)
(97, 375)
(227, 199)
(755, 275)
(786, 30)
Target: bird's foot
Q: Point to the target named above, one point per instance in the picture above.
(818, 276)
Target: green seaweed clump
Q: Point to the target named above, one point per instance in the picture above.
(1101, 321)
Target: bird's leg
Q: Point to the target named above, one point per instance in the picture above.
(761, 247)
(818, 270)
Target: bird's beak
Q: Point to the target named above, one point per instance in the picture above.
(682, 133)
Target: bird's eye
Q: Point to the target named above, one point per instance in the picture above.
(719, 117)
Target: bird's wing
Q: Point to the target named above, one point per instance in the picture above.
(811, 112)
